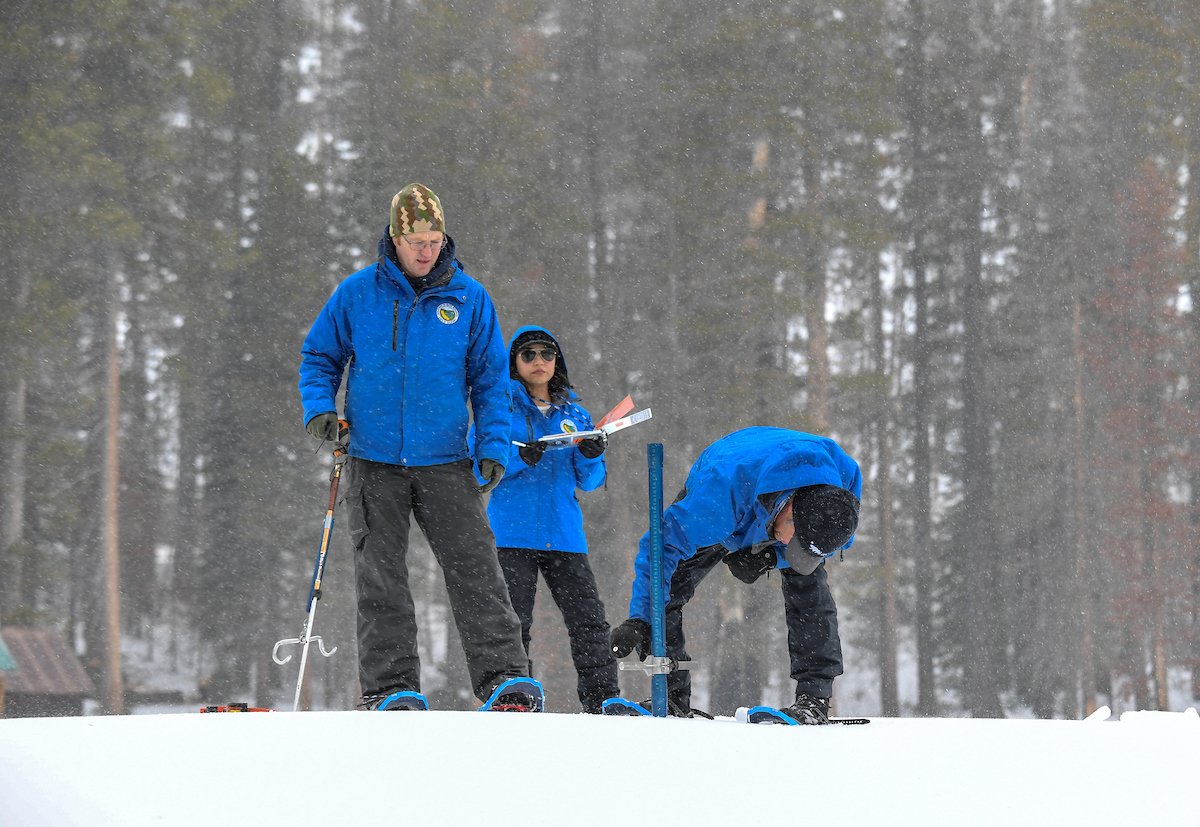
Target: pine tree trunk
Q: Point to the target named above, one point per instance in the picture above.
(916, 208)
(889, 692)
(114, 693)
(983, 667)
(815, 294)
(1084, 562)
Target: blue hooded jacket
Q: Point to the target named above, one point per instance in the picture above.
(415, 363)
(724, 498)
(536, 507)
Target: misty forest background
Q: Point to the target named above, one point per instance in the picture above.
(961, 237)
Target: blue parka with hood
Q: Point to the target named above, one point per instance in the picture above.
(734, 491)
(536, 507)
(416, 360)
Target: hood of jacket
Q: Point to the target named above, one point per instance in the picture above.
(560, 382)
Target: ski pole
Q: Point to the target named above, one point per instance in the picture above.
(340, 456)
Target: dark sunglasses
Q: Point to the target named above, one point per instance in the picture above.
(527, 356)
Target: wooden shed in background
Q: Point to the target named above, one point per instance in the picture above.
(48, 679)
(7, 667)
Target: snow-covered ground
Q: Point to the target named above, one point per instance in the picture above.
(470, 768)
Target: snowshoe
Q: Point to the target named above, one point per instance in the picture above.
(806, 710)
(235, 707)
(795, 715)
(623, 706)
(516, 695)
(401, 701)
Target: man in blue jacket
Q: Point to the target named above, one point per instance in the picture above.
(420, 343)
(757, 499)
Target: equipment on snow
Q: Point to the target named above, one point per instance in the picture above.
(516, 695)
(237, 707)
(340, 455)
(624, 706)
(657, 665)
(402, 701)
(772, 715)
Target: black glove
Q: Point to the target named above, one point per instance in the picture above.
(593, 446)
(323, 426)
(491, 471)
(750, 564)
(632, 634)
(532, 453)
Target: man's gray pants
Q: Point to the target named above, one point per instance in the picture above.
(381, 499)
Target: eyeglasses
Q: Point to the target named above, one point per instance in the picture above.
(422, 246)
(527, 356)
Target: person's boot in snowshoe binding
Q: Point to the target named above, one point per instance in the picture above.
(394, 700)
(808, 710)
(515, 702)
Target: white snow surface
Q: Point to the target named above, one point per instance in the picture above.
(471, 768)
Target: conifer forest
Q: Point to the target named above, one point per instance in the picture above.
(962, 237)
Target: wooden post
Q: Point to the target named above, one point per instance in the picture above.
(114, 691)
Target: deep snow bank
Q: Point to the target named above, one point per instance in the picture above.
(466, 768)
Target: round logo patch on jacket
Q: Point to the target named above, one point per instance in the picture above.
(569, 427)
(447, 313)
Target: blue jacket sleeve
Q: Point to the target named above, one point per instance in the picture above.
(676, 549)
(513, 467)
(323, 357)
(523, 431)
(589, 473)
(491, 395)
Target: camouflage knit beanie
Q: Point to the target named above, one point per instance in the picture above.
(415, 209)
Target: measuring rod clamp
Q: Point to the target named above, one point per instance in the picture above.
(655, 665)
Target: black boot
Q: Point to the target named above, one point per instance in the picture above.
(515, 702)
(397, 700)
(809, 710)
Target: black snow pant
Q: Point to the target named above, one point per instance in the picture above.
(380, 499)
(573, 587)
(814, 647)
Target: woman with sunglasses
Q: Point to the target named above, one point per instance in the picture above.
(535, 514)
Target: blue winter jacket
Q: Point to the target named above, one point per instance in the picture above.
(415, 363)
(536, 507)
(724, 498)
